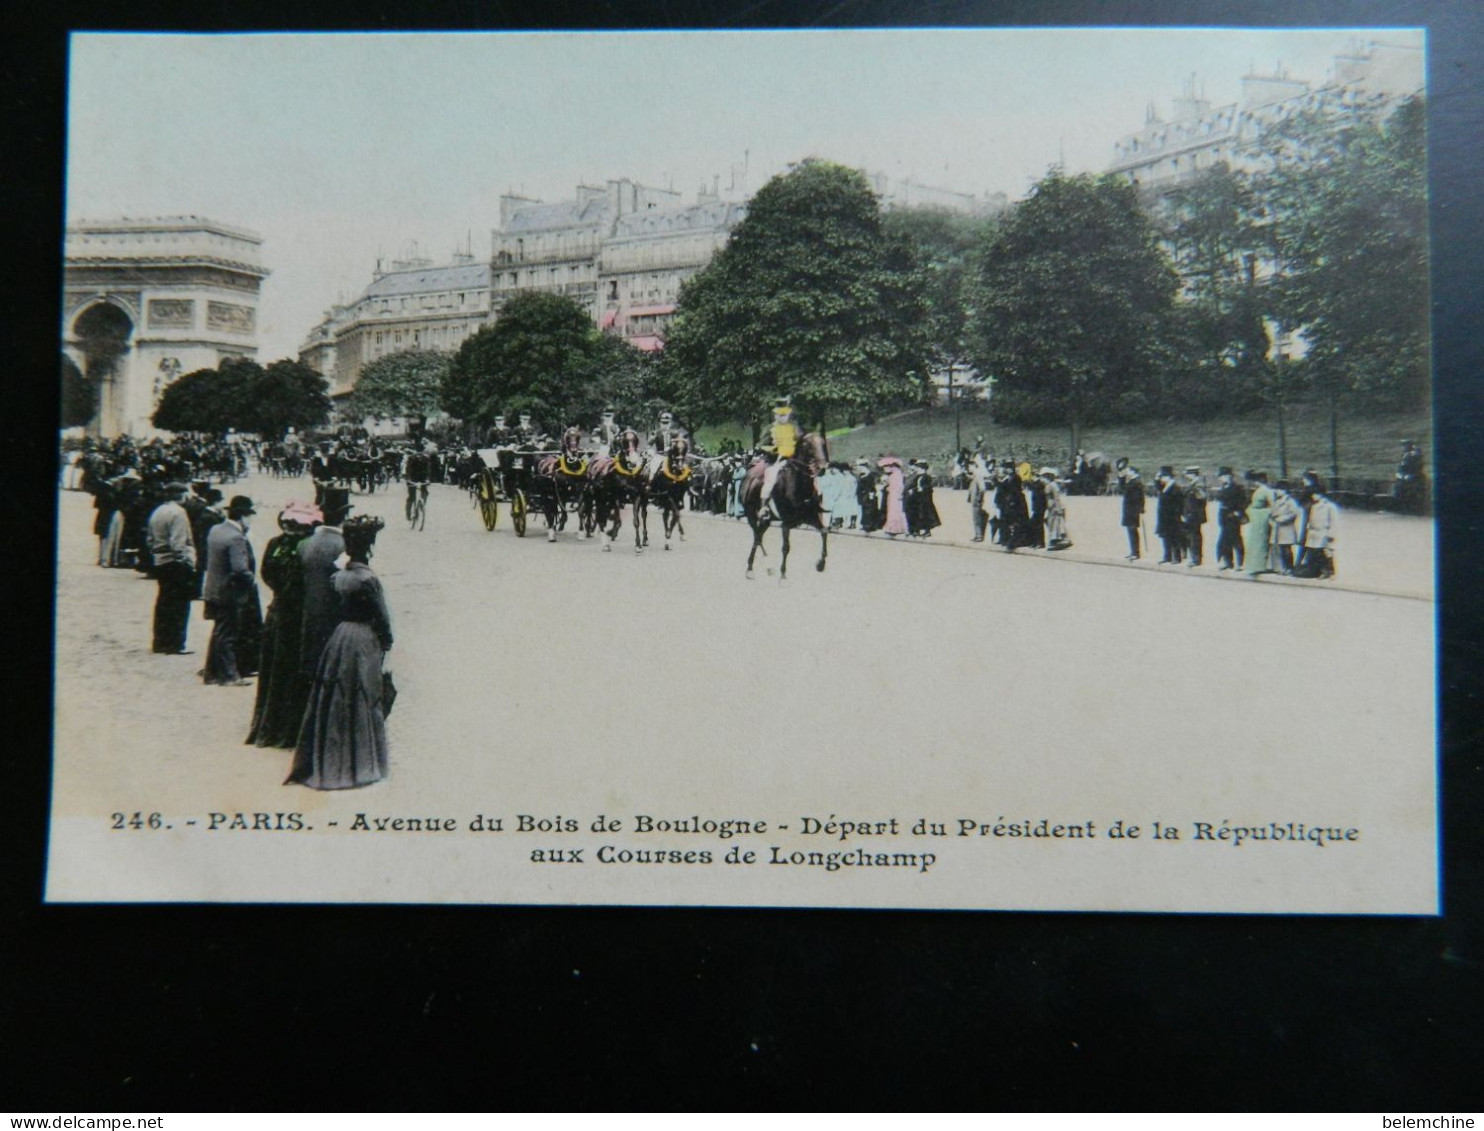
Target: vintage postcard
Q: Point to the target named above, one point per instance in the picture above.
(975, 468)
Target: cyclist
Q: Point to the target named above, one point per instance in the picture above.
(417, 470)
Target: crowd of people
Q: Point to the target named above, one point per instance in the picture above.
(1284, 528)
(318, 655)
(316, 658)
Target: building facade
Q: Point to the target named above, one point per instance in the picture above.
(145, 301)
(648, 256)
(1198, 136)
(557, 248)
(416, 305)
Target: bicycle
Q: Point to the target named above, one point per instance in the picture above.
(417, 505)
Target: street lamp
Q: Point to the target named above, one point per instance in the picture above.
(955, 401)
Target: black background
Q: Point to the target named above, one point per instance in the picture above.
(344, 1008)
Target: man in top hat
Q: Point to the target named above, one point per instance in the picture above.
(174, 551)
(229, 590)
(1231, 514)
(605, 436)
(500, 434)
(321, 471)
(1133, 508)
(1169, 516)
(317, 556)
(1195, 516)
(526, 431)
(665, 433)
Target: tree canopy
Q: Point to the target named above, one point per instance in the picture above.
(810, 297)
(1346, 198)
(1073, 298)
(241, 394)
(542, 355)
(405, 384)
(943, 243)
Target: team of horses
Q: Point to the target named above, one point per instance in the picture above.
(598, 488)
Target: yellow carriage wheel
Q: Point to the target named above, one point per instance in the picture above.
(518, 513)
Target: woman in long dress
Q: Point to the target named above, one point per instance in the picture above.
(1257, 531)
(896, 514)
(283, 689)
(1056, 512)
(342, 743)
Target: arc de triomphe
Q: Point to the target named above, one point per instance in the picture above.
(145, 301)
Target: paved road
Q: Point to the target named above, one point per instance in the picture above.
(908, 679)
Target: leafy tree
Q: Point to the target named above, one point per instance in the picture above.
(1217, 233)
(809, 297)
(79, 396)
(210, 400)
(288, 394)
(541, 356)
(241, 394)
(1073, 298)
(405, 384)
(1345, 191)
(943, 243)
(635, 384)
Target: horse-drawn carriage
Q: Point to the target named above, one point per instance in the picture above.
(504, 480)
(553, 484)
(590, 484)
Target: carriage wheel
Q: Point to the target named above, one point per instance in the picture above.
(518, 513)
(489, 504)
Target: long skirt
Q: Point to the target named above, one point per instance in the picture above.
(1056, 529)
(283, 688)
(1255, 541)
(342, 743)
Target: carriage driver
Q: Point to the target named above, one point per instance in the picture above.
(668, 431)
(500, 434)
(785, 445)
(605, 437)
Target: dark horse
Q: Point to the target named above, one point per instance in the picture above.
(667, 483)
(794, 497)
(561, 485)
(618, 480)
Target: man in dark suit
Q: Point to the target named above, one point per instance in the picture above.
(317, 555)
(1133, 509)
(228, 590)
(1169, 517)
(1195, 516)
(1231, 501)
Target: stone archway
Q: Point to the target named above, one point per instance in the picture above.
(102, 333)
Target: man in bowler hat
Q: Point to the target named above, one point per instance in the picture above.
(228, 590)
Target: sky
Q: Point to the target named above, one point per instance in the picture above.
(337, 149)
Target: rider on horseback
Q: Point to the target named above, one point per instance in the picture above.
(785, 446)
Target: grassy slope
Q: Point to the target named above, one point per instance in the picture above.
(1368, 446)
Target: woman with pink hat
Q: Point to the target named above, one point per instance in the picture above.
(896, 512)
